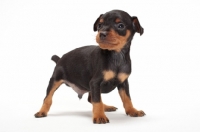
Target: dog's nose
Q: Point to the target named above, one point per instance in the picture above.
(103, 35)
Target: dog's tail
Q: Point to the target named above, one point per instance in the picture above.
(55, 58)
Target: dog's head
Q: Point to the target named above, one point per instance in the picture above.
(116, 29)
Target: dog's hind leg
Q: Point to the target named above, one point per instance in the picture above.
(107, 108)
(53, 86)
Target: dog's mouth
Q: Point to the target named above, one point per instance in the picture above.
(107, 42)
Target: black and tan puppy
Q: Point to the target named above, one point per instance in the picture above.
(99, 69)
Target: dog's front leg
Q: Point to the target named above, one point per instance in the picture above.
(98, 106)
(126, 99)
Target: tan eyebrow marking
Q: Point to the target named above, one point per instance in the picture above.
(117, 20)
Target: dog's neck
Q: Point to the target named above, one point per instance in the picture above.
(118, 57)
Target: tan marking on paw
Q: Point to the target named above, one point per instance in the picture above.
(108, 108)
(99, 116)
(130, 110)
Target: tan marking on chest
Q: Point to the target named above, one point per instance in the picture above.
(122, 76)
(108, 75)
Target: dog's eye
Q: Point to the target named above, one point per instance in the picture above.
(120, 26)
(99, 25)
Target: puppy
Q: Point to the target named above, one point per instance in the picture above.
(99, 69)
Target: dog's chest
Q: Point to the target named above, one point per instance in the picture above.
(110, 74)
(112, 80)
(118, 70)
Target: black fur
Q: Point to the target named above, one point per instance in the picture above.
(84, 66)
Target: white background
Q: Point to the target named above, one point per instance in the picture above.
(165, 80)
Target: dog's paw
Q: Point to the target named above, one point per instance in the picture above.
(100, 120)
(135, 113)
(40, 114)
(109, 108)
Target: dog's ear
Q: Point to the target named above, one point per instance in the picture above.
(137, 26)
(96, 22)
